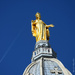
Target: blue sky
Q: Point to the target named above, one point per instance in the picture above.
(16, 40)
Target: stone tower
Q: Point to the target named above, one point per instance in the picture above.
(45, 62)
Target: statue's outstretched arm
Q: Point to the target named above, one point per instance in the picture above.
(51, 25)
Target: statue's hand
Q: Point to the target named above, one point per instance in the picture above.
(51, 25)
(32, 21)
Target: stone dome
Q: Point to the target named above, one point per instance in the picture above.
(46, 66)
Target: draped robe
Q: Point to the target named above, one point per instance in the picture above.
(39, 30)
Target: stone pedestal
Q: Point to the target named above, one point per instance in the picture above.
(43, 49)
(42, 43)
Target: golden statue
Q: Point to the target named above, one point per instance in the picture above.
(39, 29)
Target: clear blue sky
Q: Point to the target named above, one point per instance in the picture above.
(16, 40)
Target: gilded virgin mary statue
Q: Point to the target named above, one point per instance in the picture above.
(39, 29)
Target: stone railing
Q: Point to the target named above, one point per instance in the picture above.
(43, 52)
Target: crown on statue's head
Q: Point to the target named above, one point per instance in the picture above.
(38, 15)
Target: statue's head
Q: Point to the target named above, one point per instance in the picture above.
(38, 16)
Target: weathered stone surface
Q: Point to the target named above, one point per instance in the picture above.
(45, 66)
